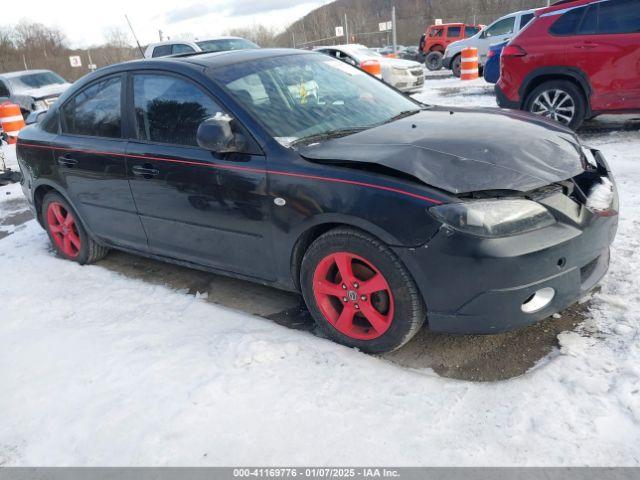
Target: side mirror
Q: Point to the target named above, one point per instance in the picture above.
(216, 134)
(35, 117)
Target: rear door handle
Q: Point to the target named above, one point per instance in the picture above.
(67, 162)
(147, 170)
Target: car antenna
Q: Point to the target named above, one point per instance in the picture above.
(134, 35)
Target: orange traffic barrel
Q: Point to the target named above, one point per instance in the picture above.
(469, 64)
(372, 67)
(11, 120)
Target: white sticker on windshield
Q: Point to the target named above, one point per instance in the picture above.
(338, 65)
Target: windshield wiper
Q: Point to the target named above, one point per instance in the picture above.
(403, 114)
(337, 133)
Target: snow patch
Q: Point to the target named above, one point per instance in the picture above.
(601, 195)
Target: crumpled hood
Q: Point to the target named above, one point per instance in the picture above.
(463, 150)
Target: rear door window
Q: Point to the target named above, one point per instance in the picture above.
(162, 51)
(619, 16)
(589, 24)
(95, 111)
(454, 32)
(169, 109)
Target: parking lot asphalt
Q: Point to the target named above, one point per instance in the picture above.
(464, 357)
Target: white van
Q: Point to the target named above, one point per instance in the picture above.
(499, 31)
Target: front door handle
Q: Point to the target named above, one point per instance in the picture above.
(67, 161)
(147, 170)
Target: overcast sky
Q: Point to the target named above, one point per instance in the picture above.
(85, 22)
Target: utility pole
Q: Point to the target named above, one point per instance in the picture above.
(346, 28)
(160, 35)
(293, 38)
(393, 28)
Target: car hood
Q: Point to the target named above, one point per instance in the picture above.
(398, 62)
(43, 92)
(462, 150)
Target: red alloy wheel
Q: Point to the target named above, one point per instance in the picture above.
(353, 296)
(63, 229)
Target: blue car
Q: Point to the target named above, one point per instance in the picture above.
(492, 64)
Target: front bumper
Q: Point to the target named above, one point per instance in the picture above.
(446, 62)
(408, 83)
(475, 285)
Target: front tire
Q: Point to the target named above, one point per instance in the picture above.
(558, 100)
(68, 237)
(433, 62)
(456, 65)
(359, 293)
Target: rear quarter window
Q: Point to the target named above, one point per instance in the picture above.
(4, 91)
(471, 31)
(162, 51)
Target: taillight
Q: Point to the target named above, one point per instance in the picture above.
(513, 51)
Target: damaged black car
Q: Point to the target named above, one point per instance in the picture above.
(301, 172)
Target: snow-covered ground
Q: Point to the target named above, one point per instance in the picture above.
(100, 369)
(8, 158)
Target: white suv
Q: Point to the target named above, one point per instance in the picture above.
(216, 44)
(499, 31)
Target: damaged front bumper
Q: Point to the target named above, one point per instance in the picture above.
(474, 285)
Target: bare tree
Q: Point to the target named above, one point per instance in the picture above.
(259, 34)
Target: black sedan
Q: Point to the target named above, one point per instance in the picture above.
(301, 172)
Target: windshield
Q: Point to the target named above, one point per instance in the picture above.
(225, 44)
(299, 96)
(36, 80)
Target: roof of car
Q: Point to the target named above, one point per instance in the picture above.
(220, 59)
(181, 40)
(563, 5)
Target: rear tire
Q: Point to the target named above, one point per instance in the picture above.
(433, 62)
(69, 238)
(376, 307)
(456, 65)
(558, 100)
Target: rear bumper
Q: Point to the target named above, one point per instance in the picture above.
(504, 101)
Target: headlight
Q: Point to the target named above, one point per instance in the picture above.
(40, 105)
(494, 218)
(400, 71)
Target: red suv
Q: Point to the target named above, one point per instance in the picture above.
(435, 41)
(575, 60)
